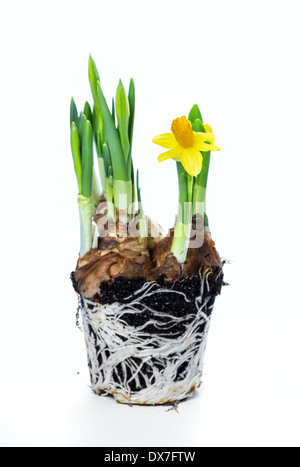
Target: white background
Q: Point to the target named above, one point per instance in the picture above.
(239, 60)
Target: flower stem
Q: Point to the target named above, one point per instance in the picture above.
(183, 226)
(180, 242)
(201, 179)
(200, 189)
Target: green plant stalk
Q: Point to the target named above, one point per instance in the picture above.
(107, 168)
(123, 198)
(201, 180)
(180, 242)
(122, 184)
(99, 151)
(85, 206)
(201, 185)
(200, 190)
(111, 134)
(111, 212)
(85, 201)
(87, 158)
(122, 112)
(75, 147)
(131, 100)
(183, 225)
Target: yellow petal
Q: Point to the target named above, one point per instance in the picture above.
(191, 160)
(172, 154)
(167, 140)
(209, 147)
(208, 128)
(199, 138)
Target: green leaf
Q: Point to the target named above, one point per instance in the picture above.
(98, 144)
(131, 99)
(107, 160)
(183, 196)
(113, 110)
(87, 158)
(88, 112)
(122, 111)
(75, 147)
(198, 126)
(194, 114)
(73, 113)
(182, 179)
(97, 136)
(114, 143)
(79, 123)
(95, 121)
(83, 121)
(94, 78)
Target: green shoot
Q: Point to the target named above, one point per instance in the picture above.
(87, 158)
(182, 230)
(111, 133)
(194, 114)
(94, 78)
(113, 110)
(75, 146)
(131, 100)
(122, 111)
(88, 112)
(201, 180)
(73, 113)
(82, 152)
(198, 126)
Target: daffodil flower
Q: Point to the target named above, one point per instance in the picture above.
(185, 145)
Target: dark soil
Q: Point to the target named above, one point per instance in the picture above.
(123, 290)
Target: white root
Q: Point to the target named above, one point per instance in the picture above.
(137, 366)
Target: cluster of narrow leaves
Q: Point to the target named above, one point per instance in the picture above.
(82, 147)
(112, 131)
